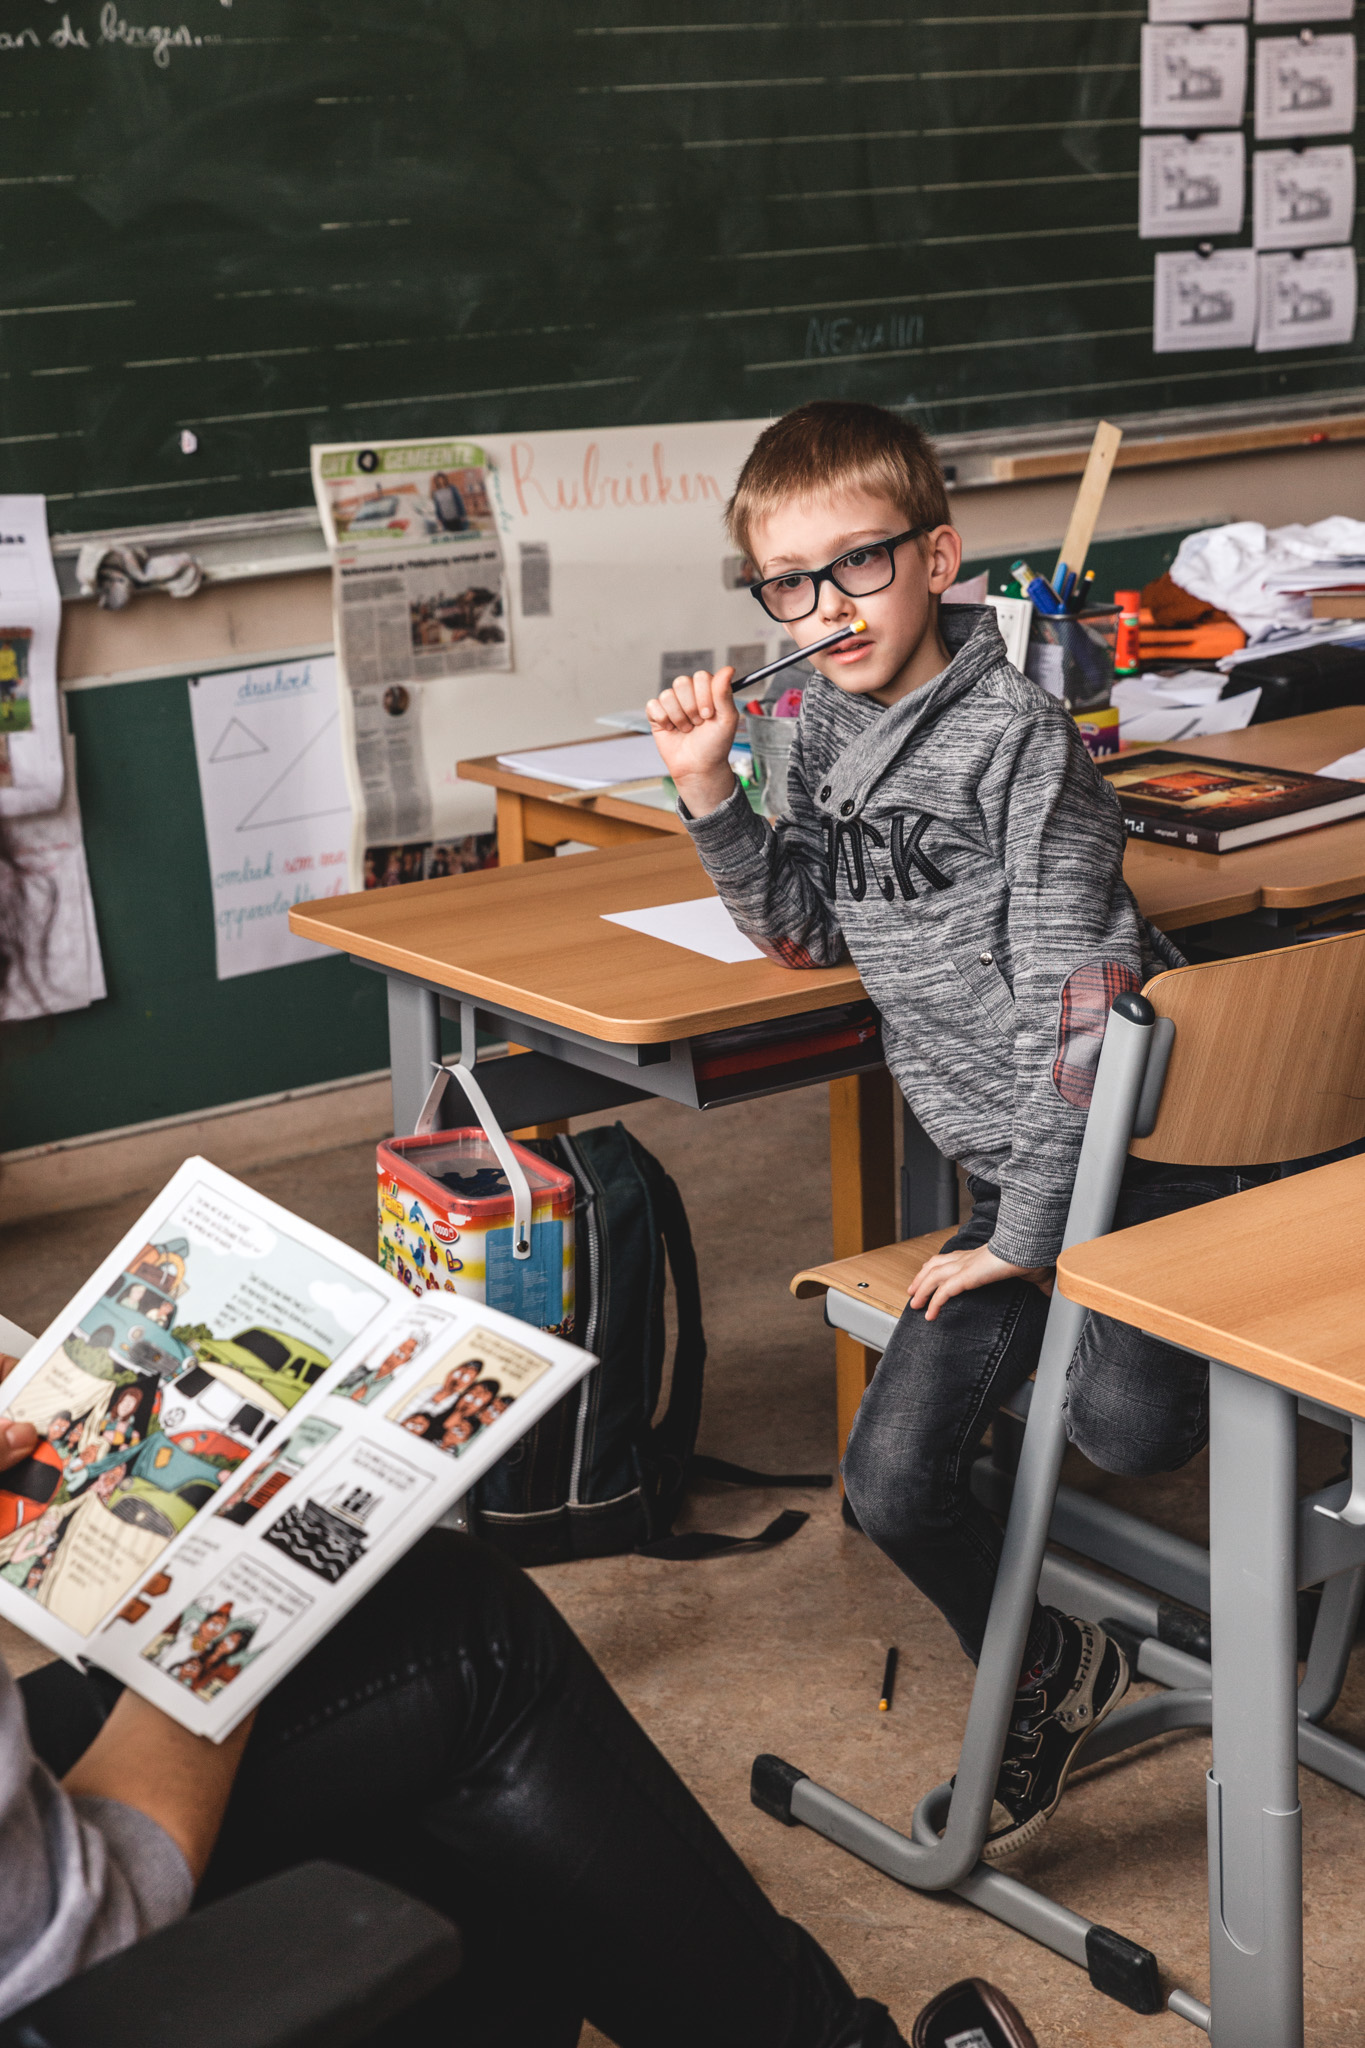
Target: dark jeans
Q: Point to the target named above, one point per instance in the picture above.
(1133, 1405)
(453, 1736)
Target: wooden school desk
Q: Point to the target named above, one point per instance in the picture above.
(1269, 1285)
(611, 1016)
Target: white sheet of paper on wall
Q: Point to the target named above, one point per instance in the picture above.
(1198, 10)
(1191, 185)
(1305, 85)
(1204, 301)
(1193, 78)
(1303, 198)
(1306, 299)
(1305, 10)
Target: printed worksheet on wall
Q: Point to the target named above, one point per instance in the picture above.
(1193, 78)
(1191, 185)
(1204, 301)
(242, 1423)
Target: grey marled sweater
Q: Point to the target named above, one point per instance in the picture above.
(964, 848)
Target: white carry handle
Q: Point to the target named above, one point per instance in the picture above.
(492, 1130)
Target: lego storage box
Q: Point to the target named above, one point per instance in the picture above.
(446, 1211)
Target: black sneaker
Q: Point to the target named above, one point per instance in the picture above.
(1052, 1721)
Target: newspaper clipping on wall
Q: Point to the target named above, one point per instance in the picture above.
(418, 602)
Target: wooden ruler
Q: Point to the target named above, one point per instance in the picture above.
(1089, 498)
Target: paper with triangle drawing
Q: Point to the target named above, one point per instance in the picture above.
(277, 814)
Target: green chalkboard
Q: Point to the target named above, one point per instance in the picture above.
(170, 1037)
(269, 222)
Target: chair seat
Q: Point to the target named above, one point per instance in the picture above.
(881, 1278)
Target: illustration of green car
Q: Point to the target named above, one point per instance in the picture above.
(262, 1364)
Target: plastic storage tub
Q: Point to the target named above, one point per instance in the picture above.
(445, 1224)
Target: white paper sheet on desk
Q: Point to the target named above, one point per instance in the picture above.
(702, 926)
(595, 766)
(1348, 767)
(1190, 721)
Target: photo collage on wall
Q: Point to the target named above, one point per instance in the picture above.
(1292, 285)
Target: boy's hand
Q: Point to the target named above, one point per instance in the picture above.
(694, 724)
(950, 1273)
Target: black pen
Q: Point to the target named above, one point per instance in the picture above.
(888, 1680)
(756, 675)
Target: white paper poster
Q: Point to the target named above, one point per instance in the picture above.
(1303, 198)
(277, 814)
(1198, 10)
(30, 617)
(618, 576)
(1193, 77)
(1204, 301)
(1307, 300)
(1305, 10)
(65, 972)
(1192, 186)
(1305, 85)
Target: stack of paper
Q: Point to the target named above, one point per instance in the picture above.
(1180, 707)
(598, 765)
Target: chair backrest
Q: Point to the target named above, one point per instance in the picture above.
(1269, 1056)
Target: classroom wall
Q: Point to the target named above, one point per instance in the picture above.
(170, 1039)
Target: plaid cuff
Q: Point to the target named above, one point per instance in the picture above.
(1087, 996)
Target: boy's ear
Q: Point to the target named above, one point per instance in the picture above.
(943, 547)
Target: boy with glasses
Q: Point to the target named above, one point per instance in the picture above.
(950, 831)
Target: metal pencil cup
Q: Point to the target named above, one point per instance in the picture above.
(1072, 655)
(771, 740)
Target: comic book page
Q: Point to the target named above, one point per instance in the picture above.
(434, 1395)
(225, 1354)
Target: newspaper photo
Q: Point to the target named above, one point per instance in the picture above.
(418, 601)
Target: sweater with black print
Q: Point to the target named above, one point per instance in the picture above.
(961, 847)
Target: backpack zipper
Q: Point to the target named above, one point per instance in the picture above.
(590, 1220)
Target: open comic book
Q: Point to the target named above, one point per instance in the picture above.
(242, 1423)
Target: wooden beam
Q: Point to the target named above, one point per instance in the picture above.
(1018, 469)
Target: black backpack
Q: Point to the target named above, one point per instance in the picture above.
(599, 1474)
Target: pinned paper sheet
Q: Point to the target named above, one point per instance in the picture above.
(1191, 185)
(702, 926)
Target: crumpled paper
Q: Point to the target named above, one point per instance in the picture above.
(1228, 565)
(110, 574)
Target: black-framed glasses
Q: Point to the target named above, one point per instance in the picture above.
(858, 573)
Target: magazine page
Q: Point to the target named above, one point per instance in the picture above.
(171, 1368)
(377, 1452)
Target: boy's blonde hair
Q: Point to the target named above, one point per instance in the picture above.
(835, 444)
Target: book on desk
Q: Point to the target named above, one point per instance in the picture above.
(1217, 806)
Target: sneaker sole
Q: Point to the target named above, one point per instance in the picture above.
(1020, 1837)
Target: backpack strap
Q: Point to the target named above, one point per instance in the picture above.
(699, 1543)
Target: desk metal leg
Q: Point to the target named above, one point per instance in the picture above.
(928, 1180)
(414, 1048)
(1255, 1823)
(862, 1166)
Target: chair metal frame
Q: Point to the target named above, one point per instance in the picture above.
(1168, 1642)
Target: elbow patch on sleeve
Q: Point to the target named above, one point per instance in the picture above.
(1082, 1013)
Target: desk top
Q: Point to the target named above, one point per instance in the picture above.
(1272, 1281)
(488, 768)
(1176, 887)
(533, 939)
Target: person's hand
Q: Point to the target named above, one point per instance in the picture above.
(18, 1440)
(694, 723)
(950, 1273)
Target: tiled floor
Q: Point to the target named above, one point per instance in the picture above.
(783, 1651)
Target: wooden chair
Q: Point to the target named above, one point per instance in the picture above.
(1233, 1063)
